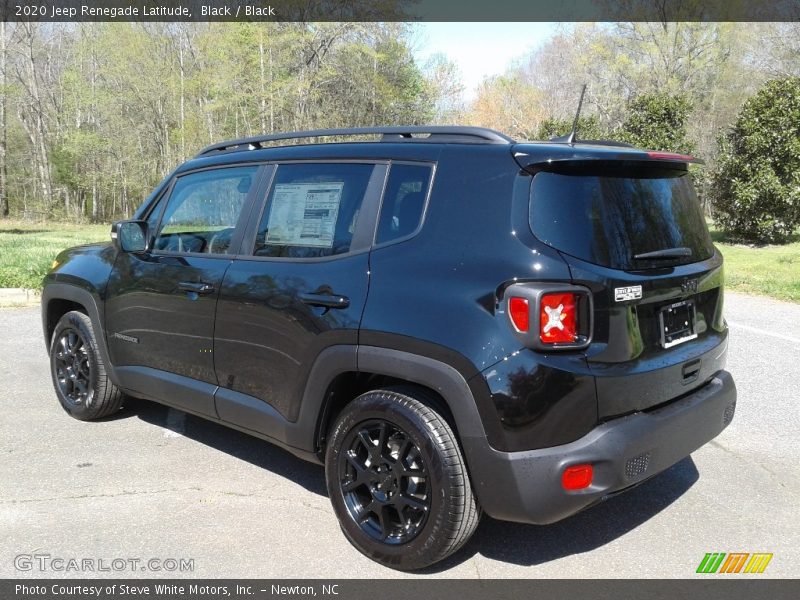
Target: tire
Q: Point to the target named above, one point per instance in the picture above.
(79, 375)
(392, 459)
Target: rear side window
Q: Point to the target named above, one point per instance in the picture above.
(608, 217)
(312, 210)
(403, 201)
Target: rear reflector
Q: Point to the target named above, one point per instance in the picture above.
(558, 318)
(577, 477)
(520, 314)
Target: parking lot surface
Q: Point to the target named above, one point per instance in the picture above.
(154, 483)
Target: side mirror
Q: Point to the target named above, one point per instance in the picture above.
(131, 236)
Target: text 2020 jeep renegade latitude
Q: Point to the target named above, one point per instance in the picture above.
(451, 321)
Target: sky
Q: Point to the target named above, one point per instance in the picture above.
(479, 49)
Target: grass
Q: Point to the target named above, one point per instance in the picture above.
(27, 249)
(764, 270)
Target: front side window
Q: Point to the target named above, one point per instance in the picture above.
(203, 209)
(312, 210)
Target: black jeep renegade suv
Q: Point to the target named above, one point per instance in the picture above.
(451, 321)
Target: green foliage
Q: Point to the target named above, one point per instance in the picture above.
(658, 121)
(124, 103)
(589, 128)
(756, 186)
(28, 249)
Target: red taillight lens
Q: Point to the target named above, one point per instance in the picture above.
(558, 321)
(577, 477)
(519, 312)
(670, 156)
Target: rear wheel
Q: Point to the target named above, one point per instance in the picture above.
(79, 376)
(398, 482)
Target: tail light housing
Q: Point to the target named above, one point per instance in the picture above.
(548, 316)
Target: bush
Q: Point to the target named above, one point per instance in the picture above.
(755, 190)
(658, 122)
(654, 121)
(589, 128)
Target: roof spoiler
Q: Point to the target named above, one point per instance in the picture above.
(533, 162)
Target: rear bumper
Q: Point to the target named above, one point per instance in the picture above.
(526, 486)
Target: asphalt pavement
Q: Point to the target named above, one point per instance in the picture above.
(204, 501)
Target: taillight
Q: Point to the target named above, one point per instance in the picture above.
(671, 156)
(519, 311)
(558, 319)
(548, 316)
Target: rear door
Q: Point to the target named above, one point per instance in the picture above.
(634, 233)
(160, 304)
(298, 287)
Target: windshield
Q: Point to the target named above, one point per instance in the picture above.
(609, 217)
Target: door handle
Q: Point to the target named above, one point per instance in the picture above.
(196, 287)
(325, 300)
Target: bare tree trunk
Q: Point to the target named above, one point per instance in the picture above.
(124, 197)
(374, 85)
(183, 95)
(35, 126)
(3, 123)
(114, 205)
(95, 208)
(271, 94)
(262, 112)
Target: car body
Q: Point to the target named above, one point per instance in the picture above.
(557, 306)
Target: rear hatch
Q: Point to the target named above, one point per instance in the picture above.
(632, 231)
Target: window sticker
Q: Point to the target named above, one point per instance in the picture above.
(304, 214)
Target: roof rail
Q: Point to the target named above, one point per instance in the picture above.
(440, 133)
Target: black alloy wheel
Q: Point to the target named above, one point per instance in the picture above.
(73, 368)
(384, 482)
(397, 479)
(79, 374)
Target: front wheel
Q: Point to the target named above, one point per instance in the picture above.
(398, 482)
(79, 375)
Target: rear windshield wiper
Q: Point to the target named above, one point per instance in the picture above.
(666, 253)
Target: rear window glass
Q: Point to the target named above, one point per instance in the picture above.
(403, 202)
(609, 217)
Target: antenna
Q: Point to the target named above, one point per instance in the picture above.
(573, 134)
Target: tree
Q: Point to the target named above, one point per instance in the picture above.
(97, 113)
(778, 54)
(657, 121)
(445, 88)
(756, 187)
(589, 128)
(555, 71)
(4, 210)
(711, 64)
(34, 66)
(508, 104)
